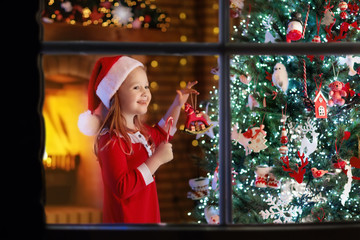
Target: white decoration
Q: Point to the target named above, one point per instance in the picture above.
(290, 189)
(268, 36)
(258, 143)
(294, 132)
(252, 140)
(328, 18)
(211, 215)
(252, 103)
(280, 77)
(210, 131)
(349, 60)
(280, 211)
(308, 147)
(238, 3)
(240, 138)
(67, 6)
(122, 14)
(347, 187)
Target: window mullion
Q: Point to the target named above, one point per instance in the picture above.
(225, 187)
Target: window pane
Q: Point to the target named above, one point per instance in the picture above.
(263, 21)
(74, 184)
(131, 21)
(295, 139)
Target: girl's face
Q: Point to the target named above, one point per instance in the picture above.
(134, 94)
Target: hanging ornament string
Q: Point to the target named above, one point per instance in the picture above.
(304, 79)
(318, 87)
(335, 74)
(318, 24)
(283, 114)
(193, 101)
(306, 19)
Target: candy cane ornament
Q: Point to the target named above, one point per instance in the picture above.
(169, 123)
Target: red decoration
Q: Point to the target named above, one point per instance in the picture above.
(318, 173)
(147, 19)
(331, 37)
(339, 164)
(317, 216)
(269, 77)
(336, 93)
(299, 174)
(295, 28)
(348, 90)
(343, 15)
(354, 8)
(95, 15)
(195, 121)
(320, 105)
(169, 123)
(355, 162)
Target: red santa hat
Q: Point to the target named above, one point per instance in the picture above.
(106, 78)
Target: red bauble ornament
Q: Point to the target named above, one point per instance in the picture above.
(316, 39)
(284, 138)
(343, 6)
(343, 15)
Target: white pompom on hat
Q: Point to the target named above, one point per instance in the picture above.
(106, 78)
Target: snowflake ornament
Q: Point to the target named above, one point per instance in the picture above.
(280, 211)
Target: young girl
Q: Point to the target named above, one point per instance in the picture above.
(129, 151)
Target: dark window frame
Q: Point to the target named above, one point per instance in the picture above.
(224, 49)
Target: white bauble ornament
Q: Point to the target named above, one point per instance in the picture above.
(343, 6)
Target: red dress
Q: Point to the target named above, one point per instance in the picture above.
(130, 194)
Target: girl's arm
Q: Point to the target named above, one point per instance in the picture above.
(174, 110)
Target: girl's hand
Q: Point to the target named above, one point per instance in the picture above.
(162, 155)
(183, 94)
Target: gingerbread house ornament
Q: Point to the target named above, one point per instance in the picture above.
(320, 105)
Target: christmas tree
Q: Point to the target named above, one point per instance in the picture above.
(296, 125)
